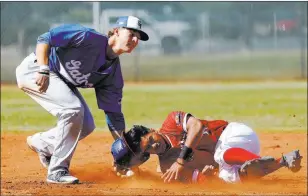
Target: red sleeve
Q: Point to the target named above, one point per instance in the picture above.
(174, 126)
(215, 127)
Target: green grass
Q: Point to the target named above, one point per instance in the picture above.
(244, 66)
(207, 67)
(265, 106)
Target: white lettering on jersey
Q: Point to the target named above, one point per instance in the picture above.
(72, 68)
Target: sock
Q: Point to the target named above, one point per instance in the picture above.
(238, 156)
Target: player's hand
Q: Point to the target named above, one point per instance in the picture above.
(209, 170)
(173, 172)
(42, 81)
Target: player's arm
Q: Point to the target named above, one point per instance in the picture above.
(194, 129)
(70, 35)
(42, 53)
(62, 36)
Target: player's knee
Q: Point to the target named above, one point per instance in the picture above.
(229, 174)
(88, 127)
(20, 85)
(73, 114)
(87, 130)
(19, 78)
(23, 86)
(219, 152)
(79, 111)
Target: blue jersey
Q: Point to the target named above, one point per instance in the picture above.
(78, 56)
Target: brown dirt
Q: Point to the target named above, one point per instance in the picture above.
(22, 174)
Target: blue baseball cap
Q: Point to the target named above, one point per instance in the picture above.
(132, 22)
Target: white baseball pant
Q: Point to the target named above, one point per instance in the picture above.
(235, 135)
(75, 120)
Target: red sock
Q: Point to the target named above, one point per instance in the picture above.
(238, 156)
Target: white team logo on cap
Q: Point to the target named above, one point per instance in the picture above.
(133, 22)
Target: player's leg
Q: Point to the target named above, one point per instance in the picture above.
(238, 156)
(239, 150)
(252, 164)
(61, 102)
(45, 141)
(260, 167)
(88, 121)
(244, 146)
(236, 138)
(70, 114)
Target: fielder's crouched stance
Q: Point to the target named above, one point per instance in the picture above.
(194, 150)
(69, 57)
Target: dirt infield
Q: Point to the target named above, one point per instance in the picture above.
(22, 174)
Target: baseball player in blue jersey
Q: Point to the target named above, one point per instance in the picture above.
(68, 57)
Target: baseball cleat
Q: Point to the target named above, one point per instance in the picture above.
(292, 160)
(45, 160)
(62, 177)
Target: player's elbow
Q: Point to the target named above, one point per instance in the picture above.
(44, 38)
(194, 124)
(198, 126)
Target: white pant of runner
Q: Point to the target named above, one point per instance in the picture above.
(75, 120)
(235, 135)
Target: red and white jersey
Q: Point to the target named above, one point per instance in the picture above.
(174, 128)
